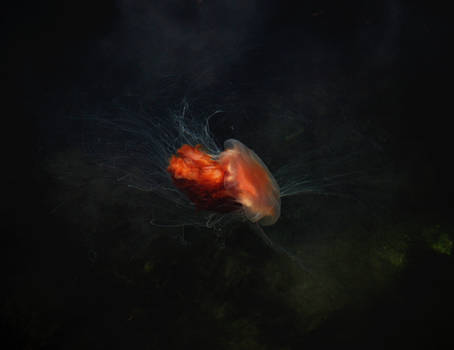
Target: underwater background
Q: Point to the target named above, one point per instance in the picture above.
(358, 88)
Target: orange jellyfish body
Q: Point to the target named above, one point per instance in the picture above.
(237, 178)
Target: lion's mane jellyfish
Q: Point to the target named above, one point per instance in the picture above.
(192, 180)
(232, 180)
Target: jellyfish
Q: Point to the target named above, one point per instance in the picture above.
(235, 179)
(176, 158)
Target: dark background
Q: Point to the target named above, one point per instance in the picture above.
(383, 61)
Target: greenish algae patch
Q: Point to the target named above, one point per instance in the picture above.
(438, 240)
(395, 255)
(443, 244)
(389, 253)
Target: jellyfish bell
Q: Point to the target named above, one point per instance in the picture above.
(252, 183)
(235, 179)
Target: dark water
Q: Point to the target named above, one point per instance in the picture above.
(85, 269)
